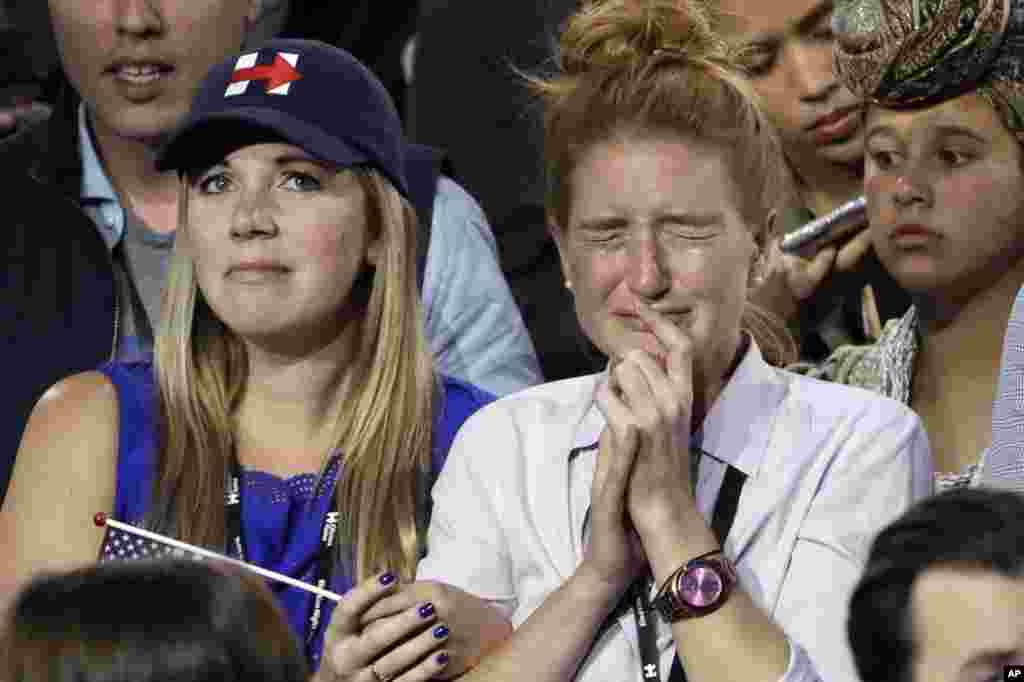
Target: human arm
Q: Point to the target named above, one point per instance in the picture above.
(474, 326)
(65, 473)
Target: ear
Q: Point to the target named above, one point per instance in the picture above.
(763, 240)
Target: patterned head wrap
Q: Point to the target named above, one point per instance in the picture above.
(917, 53)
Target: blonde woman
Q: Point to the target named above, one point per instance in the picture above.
(693, 510)
(291, 416)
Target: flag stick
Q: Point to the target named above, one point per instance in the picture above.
(102, 520)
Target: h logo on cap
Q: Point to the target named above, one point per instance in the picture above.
(279, 75)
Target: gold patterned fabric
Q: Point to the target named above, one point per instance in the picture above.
(887, 367)
(915, 53)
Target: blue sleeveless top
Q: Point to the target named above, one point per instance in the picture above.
(281, 518)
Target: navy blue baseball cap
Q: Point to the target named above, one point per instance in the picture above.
(305, 92)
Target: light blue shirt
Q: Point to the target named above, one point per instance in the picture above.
(473, 324)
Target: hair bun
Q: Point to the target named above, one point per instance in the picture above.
(629, 33)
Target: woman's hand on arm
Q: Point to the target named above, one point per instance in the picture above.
(65, 472)
(404, 647)
(474, 627)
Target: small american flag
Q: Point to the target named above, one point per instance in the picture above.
(122, 545)
(123, 541)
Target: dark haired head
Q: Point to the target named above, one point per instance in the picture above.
(973, 529)
(148, 622)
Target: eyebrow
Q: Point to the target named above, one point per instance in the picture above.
(809, 21)
(990, 658)
(948, 130)
(616, 222)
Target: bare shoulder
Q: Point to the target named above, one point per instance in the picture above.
(81, 409)
(65, 471)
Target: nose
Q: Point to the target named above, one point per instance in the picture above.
(647, 277)
(912, 188)
(253, 217)
(810, 72)
(139, 17)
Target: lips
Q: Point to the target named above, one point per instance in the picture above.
(838, 125)
(140, 73)
(911, 234)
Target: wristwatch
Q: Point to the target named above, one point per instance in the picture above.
(697, 588)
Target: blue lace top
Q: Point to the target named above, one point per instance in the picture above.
(281, 518)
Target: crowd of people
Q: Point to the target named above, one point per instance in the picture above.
(252, 307)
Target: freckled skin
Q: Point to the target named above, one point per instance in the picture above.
(959, 615)
(643, 188)
(322, 235)
(969, 192)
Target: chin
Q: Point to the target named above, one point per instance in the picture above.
(151, 123)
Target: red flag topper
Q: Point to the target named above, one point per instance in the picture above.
(278, 75)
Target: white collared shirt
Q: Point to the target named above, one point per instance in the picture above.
(828, 466)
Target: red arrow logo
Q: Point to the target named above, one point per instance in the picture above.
(277, 74)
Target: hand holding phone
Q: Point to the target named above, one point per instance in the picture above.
(848, 218)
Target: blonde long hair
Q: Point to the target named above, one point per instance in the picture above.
(657, 66)
(384, 432)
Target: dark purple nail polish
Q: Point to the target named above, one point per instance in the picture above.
(387, 578)
(427, 610)
(442, 658)
(440, 632)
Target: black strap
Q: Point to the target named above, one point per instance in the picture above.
(325, 555)
(722, 517)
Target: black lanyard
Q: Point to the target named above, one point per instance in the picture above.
(637, 595)
(721, 522)
(325, 556)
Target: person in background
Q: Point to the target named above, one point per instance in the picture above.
(943, 181)
(148, 621)
(593, 507)
(942, 595)
(291, 416)
(90, 220)
(837, 294)
(452, 59)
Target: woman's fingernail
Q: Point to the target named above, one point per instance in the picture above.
(387, 578)
(440, 632)
(427, 610)
(442, 658)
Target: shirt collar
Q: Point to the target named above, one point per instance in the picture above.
(737, 428)
(96, 186)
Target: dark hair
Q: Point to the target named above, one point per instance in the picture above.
(969, 528)
(149, 621)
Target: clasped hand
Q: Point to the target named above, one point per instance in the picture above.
(384, 630)
(641, 486)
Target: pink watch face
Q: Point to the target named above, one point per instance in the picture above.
(701, 586)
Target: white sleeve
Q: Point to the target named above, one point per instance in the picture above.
(466, 542)
(879, 472)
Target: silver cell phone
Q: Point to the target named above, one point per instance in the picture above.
(827, 227)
